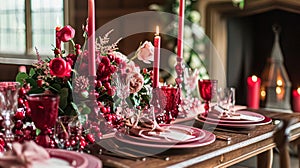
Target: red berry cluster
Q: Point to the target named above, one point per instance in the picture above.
(74, 138)
(107, 65)
(23, 103)
(23, 129)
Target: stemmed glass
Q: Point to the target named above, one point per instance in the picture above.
(149, 115)
(190, 83)
(44, 112)
(226, 99)
(123, 91)
(8, 106)
(207, 90)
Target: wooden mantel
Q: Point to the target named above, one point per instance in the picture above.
(214, 14)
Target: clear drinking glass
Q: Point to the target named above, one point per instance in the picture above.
(123, 91)
(226, 98)
(190, 83)
(8, 106)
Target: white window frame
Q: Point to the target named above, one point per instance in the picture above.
(29, 57)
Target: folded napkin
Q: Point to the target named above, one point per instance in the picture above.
(24, 155)
(144, 126)
(147, 129)
(222, 113)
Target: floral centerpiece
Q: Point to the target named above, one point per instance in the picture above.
(97, 104)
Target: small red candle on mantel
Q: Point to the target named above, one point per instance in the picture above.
(253, 87)
(91, 38)
(155, 83)
(296, 100)
(180, 29)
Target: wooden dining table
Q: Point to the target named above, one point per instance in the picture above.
(258, 141)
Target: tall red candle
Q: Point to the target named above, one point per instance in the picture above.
(296, 100)
(91, 38)
(155, 83)
(180, 29)
(253, 88)
(57, 41)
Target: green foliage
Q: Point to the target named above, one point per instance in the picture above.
(21, 76)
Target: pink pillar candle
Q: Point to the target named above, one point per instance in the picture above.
(91, 38)
(156, 59)
(253, 88)
(180, 29)
(296, 100)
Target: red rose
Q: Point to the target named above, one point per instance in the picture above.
(65, 34)
(60, 68)
(105, 61)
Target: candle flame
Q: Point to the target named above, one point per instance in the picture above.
(57, 28)
(298, 90)
(254, 78)
(157, 30)
(279, 82)
(278, 90)
(263, 93)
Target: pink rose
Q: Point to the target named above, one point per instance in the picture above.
(136, 82)
(65, 34)
(145, 52)
(60, 67)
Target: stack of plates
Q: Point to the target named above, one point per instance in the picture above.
(67, 159)
(244, 119)
(174, 136)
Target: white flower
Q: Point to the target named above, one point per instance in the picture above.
(145, 52)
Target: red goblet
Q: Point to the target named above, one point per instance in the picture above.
(207, 89)
(168, 98)
(44, 112)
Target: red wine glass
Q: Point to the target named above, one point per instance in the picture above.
(207, 90)
(44, 112)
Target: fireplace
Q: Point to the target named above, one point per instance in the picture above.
(244, 38)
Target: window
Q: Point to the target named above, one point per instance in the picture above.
(26, 24)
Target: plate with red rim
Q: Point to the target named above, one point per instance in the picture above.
(267, 120)
(191, 131)
(75, 159)
(206, 140)
(214, 118)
